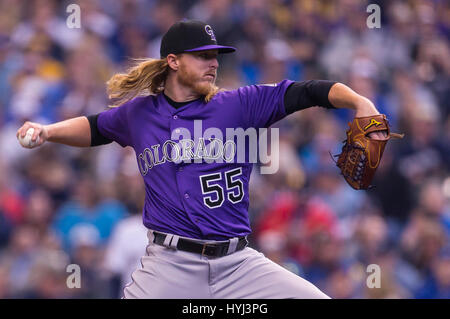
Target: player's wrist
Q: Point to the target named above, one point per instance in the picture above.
(47, 132)
(364, 107)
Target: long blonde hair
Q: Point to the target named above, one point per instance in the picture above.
(145, 77)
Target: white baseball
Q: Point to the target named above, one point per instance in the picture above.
(26, 140)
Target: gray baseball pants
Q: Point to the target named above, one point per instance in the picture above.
(167, 273)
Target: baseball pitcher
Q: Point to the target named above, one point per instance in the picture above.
(196, 206)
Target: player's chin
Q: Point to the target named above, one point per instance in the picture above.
(205, 84)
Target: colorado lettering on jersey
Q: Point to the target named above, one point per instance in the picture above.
(187, 150)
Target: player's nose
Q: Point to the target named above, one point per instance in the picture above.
(214, 63)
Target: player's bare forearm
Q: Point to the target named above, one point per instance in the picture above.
(73, 132)
(341, 96)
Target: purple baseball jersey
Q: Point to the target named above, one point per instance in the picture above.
(189, 192)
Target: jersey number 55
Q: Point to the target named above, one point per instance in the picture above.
(214, 194)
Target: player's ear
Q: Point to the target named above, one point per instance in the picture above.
(173, 61)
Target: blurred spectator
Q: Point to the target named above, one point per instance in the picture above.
(87, 253)
(392, 191)
(48, 276)
(87, 215)
(433, 203)
(437, 284)
(422, 240)
(125, 248)
(390, 283)
(341, 285)
(371, 237)
(38, 211)
(274, 245)
(18, 258)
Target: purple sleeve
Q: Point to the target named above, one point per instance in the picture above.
(113, 124)
(264, 104)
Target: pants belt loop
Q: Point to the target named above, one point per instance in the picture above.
(174, 242)
(167, 240)
(232, 246)
(150, 236)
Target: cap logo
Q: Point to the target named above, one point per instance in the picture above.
(210, 32)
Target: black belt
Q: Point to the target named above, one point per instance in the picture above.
(204, 249)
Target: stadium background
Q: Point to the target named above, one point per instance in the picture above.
(61, 205)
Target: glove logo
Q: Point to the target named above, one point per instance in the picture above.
(372, 122)
(361, 154)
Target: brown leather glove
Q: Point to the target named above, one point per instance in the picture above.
(361, 154)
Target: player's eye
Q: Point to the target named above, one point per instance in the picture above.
(207, 56)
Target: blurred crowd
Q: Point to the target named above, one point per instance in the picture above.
(62, 205)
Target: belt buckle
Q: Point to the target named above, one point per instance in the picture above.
(206, 245)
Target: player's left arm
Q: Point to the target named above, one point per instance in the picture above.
(329, 94)
(341, 96)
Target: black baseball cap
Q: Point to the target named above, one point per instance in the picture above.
(190, 36)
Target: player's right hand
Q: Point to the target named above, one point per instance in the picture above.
(39, 130)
